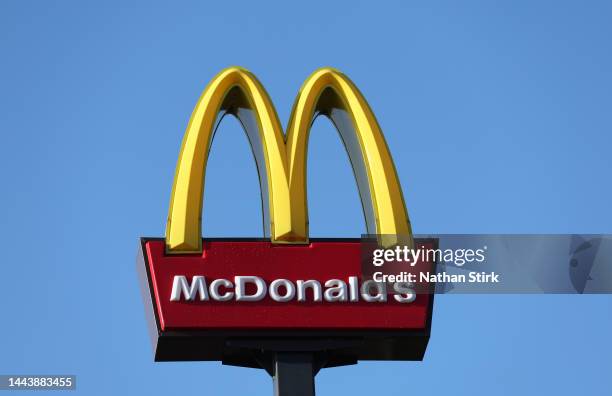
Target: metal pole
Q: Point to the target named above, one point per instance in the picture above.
(294, 374)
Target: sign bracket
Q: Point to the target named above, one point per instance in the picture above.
(294, 363)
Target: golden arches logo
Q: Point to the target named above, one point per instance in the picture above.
(281, 159)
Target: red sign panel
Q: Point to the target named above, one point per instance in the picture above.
(243, 289)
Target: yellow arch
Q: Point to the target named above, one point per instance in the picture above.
(282, 163)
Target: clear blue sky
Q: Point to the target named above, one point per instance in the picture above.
(497, 114)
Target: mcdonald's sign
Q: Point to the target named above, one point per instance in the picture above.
(232, 299)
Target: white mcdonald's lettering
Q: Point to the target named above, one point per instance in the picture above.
(285, 290)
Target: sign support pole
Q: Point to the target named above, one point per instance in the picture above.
(294, 374)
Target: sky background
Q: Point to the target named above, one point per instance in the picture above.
(497, 115)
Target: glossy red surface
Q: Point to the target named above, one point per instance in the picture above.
(321, 260)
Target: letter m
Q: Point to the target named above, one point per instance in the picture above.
(180, 286)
